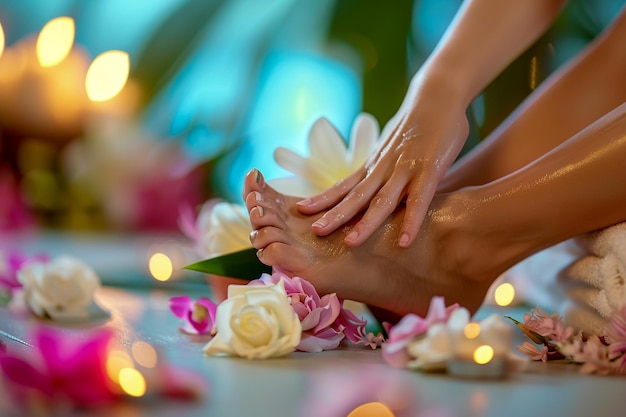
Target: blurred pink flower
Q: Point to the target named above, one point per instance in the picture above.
(325, 322)
(533, 352)
(617, 338)
(60, 370)
(550, 326)
(198, 316)
(410, 327)
(14, 215)
(12, 261)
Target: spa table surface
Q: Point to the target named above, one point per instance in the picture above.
(330, 383)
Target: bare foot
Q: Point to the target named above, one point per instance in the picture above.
(379, 272)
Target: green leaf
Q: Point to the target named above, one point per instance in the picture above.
(243, 264)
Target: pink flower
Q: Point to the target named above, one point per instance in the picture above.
(410, 327)
(60, 369)
(325, 322)
(617, 338)
(12, 261)
(198, 316)
(551, 327)
(533, 352)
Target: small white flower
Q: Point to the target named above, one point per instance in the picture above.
(329, 160)
(222, 228)
(255, 322)
(62, 289)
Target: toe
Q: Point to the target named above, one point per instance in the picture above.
(267, 235)
(261, 216)
(289, 258)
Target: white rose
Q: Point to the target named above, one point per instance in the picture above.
(62, 289)
(255, 322)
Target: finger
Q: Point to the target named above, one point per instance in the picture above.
(333, 195)
(417, 204)
(380, 208)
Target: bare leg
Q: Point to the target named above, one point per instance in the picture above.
(469, 236)
(591, 85)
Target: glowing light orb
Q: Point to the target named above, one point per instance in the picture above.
(1, 40)
(116, 361)
(107, 75)
(374, 409)
(160, 266)
(483, 354)
(55, 41)
(144, 354)
(132, 382)
(504, 294)
(472, 330)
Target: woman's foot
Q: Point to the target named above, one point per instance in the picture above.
(379, 272)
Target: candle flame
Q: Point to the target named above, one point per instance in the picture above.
(483, 354)
(55, 41)
(107, 75)
(160, 266)
(132, 382)
(504, 294)
(1, 40)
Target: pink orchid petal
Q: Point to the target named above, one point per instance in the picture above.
(180, 306)
(329, 312)
(22, 373)
(210, 306)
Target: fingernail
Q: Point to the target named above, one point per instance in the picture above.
(260, 210)
(252, 236)
(305, 202)
(352, 236)
(258, 196)
(404, 240)
(320, 223)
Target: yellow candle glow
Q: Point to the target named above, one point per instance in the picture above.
(373, 409)
(132, 382)
(107, 75)
(504, 294)
(483, 354)
(1, 40)
(55, 41)
(160, 266)
(472, 330)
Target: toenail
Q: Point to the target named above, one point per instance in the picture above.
(258, 196)
(252, 236)
(261, 210)
(259, 254)
(322, 222)
(259, 178)
(352, 236)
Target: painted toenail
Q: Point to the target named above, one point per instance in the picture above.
(321, 223)
(259, 254)
(404, 240)
(261, 210)
(252, 236)
(258, 196)
(352, 236)
(259, 178)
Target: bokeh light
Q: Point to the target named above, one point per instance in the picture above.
(160, 266)
(55, 41)
(144, 354)
(132, 382)
(116, 361)
(483, 354)
(472, 330)
(1, 39)
(504, 294)
(373, 409)
(107, 75)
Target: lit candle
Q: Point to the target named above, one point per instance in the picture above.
(480, 349)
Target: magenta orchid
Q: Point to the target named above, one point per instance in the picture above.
(325, 322)
(198, 316)
(410, 327)
(60, 370)
(11, 261)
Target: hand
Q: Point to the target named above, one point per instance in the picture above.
(419, 144)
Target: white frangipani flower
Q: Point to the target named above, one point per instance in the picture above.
(222, 228)
(329, 160)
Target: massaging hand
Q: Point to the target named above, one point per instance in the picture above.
(418, 145)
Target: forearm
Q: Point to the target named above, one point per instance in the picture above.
(578, 187)
(484, 37)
